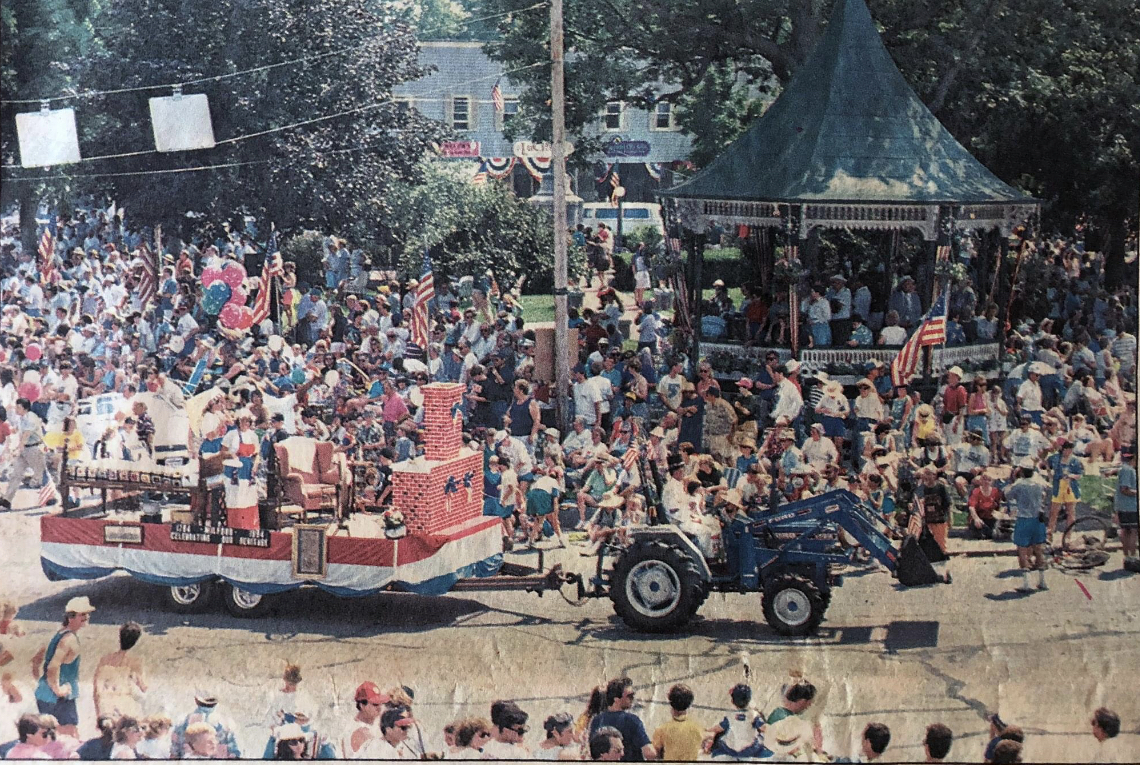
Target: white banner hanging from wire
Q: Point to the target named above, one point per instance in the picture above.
(47, 137)
(182, 123)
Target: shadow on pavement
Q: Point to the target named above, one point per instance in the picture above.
(900, 635)
(1004, 596)
(1112, 576)
(119, 599)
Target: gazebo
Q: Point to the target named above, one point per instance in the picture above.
(847, 145)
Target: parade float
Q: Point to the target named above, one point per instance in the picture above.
(198, 528)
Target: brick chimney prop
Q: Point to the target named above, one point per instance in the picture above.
(444, 487)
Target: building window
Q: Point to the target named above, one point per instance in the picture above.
(612, 116)
(461, 115)
(404, 104)
(663, 117)
(510, 109)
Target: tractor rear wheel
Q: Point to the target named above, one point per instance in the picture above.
(793, 605)
(656, 588)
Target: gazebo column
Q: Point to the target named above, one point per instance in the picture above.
(696, 247)
(793, 229)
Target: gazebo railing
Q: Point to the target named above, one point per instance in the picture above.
(821, 359)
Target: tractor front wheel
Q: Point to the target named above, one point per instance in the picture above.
(793, 605)
(656, 587)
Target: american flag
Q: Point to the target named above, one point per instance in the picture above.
(271, 270)
(615, 181)
(497, 98)
(932, 331)
(148, 280)
(47, 491)
(480, 177)
(942, 254)
(47, 253)
(421, 314)
(629, 459)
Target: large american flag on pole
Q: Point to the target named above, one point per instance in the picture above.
(270, 271)
(421, 308)
(932, 331)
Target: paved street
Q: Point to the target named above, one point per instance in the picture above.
(905, 657)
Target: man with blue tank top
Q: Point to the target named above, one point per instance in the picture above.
(58, 688)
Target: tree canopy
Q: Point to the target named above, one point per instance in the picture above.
(1044, 92)
(284, 156)
(471, 228)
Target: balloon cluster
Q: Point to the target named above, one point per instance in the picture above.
(225, 296)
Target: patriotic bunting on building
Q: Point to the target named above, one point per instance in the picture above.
(536, 166)
(654, 169)
(498, 167)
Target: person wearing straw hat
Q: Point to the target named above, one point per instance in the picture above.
(819, 451)
(607, 521)
(832, 410)
(58, 686)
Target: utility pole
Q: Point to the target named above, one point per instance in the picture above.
(558, 168)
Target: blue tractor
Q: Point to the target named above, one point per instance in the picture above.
(789, 555)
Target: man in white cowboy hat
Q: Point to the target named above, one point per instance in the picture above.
(58, 687)
(1029, 397)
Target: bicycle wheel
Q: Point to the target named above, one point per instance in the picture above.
(1085, 543)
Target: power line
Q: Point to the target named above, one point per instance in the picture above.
(219, 166)
(242, 72)
(314, 120)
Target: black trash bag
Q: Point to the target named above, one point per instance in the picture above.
(914, 567)
(930, 547)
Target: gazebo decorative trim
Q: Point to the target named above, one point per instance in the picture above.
(847, 145)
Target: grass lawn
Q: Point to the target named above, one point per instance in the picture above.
(537, 308)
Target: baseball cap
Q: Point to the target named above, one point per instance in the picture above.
(370, 692)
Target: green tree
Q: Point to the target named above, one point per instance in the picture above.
(43, 40)
(1044, 92)
(470, 229)
(329, 173)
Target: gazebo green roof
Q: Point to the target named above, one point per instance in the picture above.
(848, 128)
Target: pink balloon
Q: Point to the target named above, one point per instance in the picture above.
(230, 315)
(30, 391)
(33, 352)
(211, 275)
(238, 296)
(233, 275)
(245, 321)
